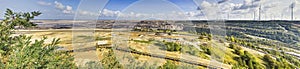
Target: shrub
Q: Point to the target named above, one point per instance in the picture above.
(206, 49)
(19, 52)
(169, 65)
(172, 46)
(110, 61)
(194, 51)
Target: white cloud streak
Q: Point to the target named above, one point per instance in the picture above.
(44, 3)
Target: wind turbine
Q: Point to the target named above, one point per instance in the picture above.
(254, 12)
(198, 8)
(223, 1)
(219, 2)
(281, 17)
(292, 6)
(259, 13)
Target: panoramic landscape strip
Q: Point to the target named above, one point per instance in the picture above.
(150, 34)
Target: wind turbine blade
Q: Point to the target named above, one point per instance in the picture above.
(256, 0)
(292, 5)
(198, 8)
(222, 1)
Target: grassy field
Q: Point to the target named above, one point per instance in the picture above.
(148, 42)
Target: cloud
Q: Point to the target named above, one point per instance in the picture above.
(68, 9)
(206, 5)
(59, 5)
(64, 8)
(236, 10)
(44, 3)
(270, 9)
(140, 15)
(193, 14)
(110, 13)
(87, 13)
(247, 4)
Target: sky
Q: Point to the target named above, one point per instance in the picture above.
(157, 9)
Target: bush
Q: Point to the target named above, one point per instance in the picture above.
(169, 65)
(206, 49)
(172, 46)
(19, 52)
(110, 61)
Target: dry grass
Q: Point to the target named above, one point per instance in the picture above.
(89, 39)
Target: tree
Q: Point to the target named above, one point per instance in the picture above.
(13, 19)
(172, 46)
(20, 52)
(110, 61)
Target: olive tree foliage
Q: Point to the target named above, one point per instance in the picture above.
(21, 52)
